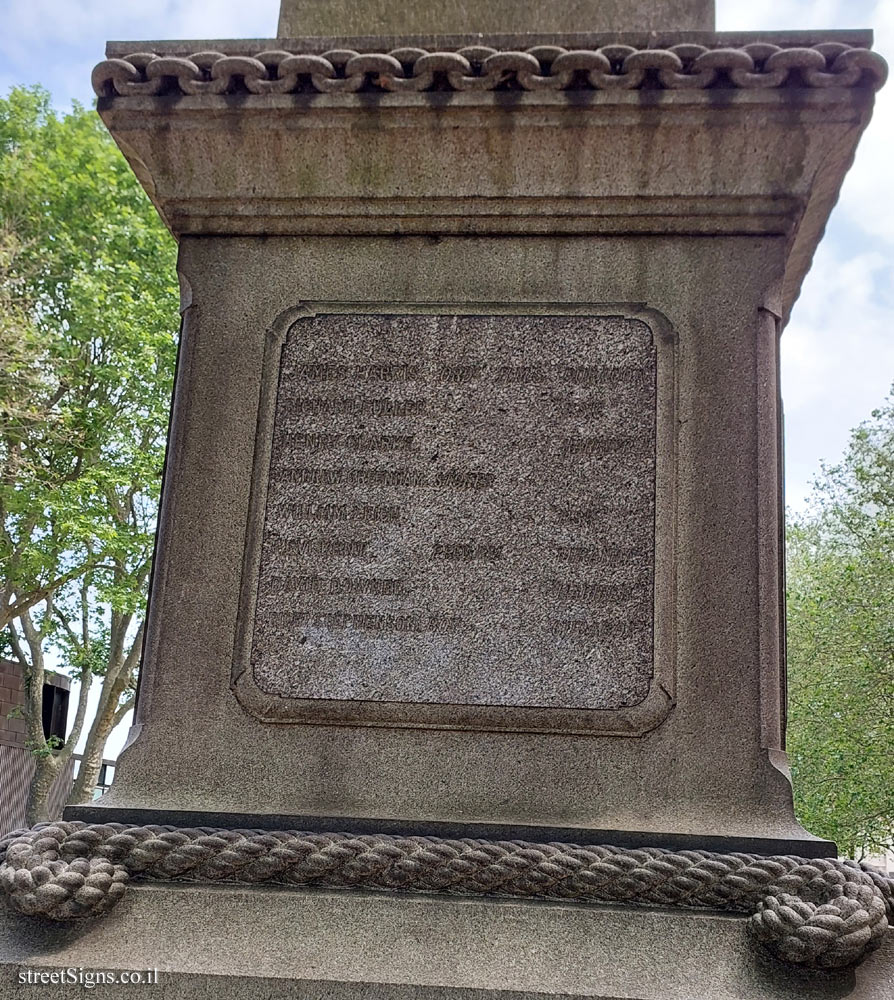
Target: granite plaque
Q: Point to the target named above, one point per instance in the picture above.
(459, 511)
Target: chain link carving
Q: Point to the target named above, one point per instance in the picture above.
(818, 913)
(758, 65)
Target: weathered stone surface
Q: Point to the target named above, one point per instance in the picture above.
(704, 768)
(461, 510)
(298, 18)
(229, 943)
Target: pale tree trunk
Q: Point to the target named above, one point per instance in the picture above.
(45, 773)
(107, 717)
(45, 769)
(49, 761)
(118, 681)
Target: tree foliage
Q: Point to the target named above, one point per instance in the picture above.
(87, 347)
(841, 645)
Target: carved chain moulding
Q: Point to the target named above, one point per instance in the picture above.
(687, 66)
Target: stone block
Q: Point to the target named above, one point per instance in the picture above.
(261, 943)
(704, 771)
(412, 545)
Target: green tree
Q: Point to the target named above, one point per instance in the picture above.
(841, 645)
(87, 348)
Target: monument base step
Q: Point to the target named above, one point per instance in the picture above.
(800, 843)
(226, 941)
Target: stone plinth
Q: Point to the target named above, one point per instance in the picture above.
(268, 944)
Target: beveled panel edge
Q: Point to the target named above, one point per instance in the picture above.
(634, 720)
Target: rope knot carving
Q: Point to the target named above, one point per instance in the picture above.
(48, 873)
(833, 922)
(820, 913)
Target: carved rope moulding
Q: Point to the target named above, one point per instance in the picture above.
(758, 65)
(818, 913)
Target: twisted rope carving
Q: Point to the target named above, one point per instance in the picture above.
(757, 65)
(818, 913)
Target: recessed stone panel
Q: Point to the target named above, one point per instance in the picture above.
(460, 510)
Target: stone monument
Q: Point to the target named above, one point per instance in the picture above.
(468, 575)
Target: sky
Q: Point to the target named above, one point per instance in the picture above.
(838, 348)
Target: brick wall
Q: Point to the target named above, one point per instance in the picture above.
(12, 731)
(12, 695)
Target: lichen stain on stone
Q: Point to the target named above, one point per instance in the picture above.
(499, 141)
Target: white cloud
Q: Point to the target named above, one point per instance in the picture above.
(866, 197)
(838, 352)
(783, 15)
(837, 357)
(57, 42)
(45, 22)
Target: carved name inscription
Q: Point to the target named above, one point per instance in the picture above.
(461, 510)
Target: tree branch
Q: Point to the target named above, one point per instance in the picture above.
(23, 606)
(123, 709)
(34, 681)
(86, 681)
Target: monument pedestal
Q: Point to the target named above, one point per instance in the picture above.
(471, 523)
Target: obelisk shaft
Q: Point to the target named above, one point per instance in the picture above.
(304, 18)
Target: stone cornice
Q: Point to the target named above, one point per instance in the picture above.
(687, 65)
(682, 134)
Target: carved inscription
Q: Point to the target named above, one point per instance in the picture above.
(460, 510)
